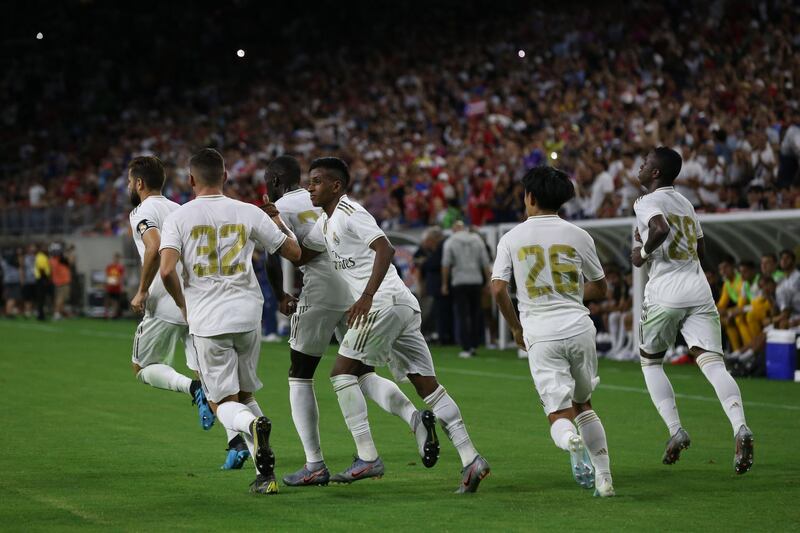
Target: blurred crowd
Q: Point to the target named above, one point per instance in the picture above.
(439, 123)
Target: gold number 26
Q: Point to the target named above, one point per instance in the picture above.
(564, 274)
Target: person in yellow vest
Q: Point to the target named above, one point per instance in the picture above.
(761, 306)
(729, 299)
(41, 271)
(748, 292)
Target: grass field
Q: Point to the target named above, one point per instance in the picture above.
(84, 445)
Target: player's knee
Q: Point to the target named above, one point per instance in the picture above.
(302, 366)
(567, 413)
(651, 359)
(580, 407)
(136, 370)
(424, 385)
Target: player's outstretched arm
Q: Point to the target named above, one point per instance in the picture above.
(500, 292)
(152, 241)
(658, 230)
(384, 252)
(169, 275)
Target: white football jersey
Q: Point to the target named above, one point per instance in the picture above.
(676, 276)
(346, 236)
(322, 287)
(151, 214)
(549, 259)
(215, 236)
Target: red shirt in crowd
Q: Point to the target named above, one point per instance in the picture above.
(115, 273)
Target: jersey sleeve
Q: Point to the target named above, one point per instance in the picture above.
(315, 240)
(447, 254)
(142, 220)
(646, 208)
(170, 234)
(503, 266)
(266, 233)
(592, 269)
(363, 225)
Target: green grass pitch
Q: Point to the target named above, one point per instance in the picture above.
(85, 446)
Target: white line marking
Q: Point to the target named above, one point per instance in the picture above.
(620, 388)
(58, 503)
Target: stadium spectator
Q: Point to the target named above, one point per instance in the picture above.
(428, 260)
(787, 294)
(29, 280)
(11, 266)
(43, 283)
(467, 269)
(61, 273)
(115, 276)
(729, 300)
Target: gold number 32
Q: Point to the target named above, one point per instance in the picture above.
(208, 249)
(564, 275)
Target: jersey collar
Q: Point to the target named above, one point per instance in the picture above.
(209, 196)
(295, 191)
(542, 216)
(670, 188)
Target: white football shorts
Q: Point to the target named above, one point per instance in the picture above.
(155, 341)
(699, 325)
(564, 371)
(390, 337)
(228, 363)
(312, 328)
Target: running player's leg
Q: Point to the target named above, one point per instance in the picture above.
(344, 377)
(553, 380)
(197, 393)
(702, 332)
(582, 354)
(659, 327)
(412, 358)
(153, 345)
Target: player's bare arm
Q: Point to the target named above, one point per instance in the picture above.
(595, 290)
(306, 255)
(287, 304)
(506, 306)
(701, 248)
(657, 234)
(169, 275)
(150, 263)
(384, 252)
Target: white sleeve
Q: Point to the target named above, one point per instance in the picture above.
(503, 265)
(592, 269)
(363, 225)
(142, 220)
(447, 252)
(170, 235)
(266, 232)
(646, 209)
(315, 240)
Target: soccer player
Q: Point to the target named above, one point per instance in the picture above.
(384, 326)
(549, 259)
(677, 297)
(163, 325)
(214, 237)
(320, 314)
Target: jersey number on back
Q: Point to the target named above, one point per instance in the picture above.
(565, 275)
(209, 250)
(682, 226)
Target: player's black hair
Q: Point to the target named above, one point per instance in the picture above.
(746, 263)
(286, 169)
(150, 170)
(550, 187)
(669, 162)
(338, 168)
(770, 255)
(728, 259)
(789, 253)
(208, 166)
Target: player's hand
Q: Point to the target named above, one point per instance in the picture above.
(636, 236)
(269, 208)
(445, 290)
(519, 338)
(138, 302)
(636, 257)
(287, 305)
(358, 312)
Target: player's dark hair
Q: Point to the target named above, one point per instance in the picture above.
(150, 170)
(550, 187)
(337, 168)
(746, 263)
(771, 256)
(728, 259)
(789, 253)
(208, 166)
(286, 169)
(669, 162)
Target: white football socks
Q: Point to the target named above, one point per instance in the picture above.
(252, 404)
(661, 392)
(594, 438)
(164, 377)
(388, 395)
(354, 409)
(713, 367)
(449, 416)
(231, 434)
(238, 417)
(561, 431)
(305, 414)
